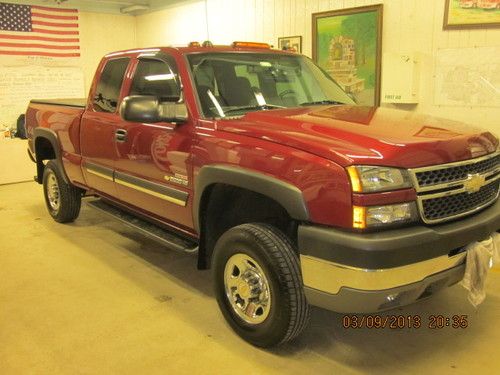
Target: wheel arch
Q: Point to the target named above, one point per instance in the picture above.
(287, 195)
(47, 147)
(274, 196)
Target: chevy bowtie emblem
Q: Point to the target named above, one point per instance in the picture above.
(473, 183)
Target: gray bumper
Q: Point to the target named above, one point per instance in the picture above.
(349, 300)
(370, 272)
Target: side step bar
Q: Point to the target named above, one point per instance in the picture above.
(166, 238)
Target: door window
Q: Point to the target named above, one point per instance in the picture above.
(156, 78)
(108, 89)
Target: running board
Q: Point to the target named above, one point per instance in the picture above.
(169, 239)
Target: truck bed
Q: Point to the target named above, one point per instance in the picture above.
(80, 102)
(60, 117)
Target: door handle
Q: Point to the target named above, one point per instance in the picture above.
(121, 135)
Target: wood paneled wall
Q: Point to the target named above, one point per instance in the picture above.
(409, 26)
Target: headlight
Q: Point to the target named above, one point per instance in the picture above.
(368, 179)
(375, 216)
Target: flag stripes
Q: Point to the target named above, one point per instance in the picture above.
(38, 31)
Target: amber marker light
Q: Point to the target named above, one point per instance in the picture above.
(251, 45)
(194, 44)
(359, 217)
(355, 180)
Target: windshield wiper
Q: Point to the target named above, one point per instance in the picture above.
(321, 102)
(253, 107)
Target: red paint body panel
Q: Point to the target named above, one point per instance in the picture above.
(65, 122)
(308, 147)
(365, 135)
(324, 184)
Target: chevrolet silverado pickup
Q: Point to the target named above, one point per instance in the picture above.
(258, 162)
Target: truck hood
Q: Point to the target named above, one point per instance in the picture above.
(366, 135)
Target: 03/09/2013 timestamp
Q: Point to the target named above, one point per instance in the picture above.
(404, 321)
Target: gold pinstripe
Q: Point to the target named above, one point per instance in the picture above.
(100, 174)
(151, 192)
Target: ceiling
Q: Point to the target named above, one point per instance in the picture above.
(103, 6)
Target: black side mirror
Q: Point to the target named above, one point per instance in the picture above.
(146, 108)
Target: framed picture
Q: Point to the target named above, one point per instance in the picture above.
(467, 14)
(347, 44)
(288, 42)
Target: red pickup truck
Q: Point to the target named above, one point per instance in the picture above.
(257, 160)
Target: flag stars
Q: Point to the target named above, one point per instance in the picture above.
(15, 17)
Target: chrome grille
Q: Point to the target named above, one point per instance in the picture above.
(449, 191)
(453, 205)
(459, 172)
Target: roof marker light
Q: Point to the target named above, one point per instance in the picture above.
(251, 45)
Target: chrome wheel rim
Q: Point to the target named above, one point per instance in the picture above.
(53, 194)
(247, 288)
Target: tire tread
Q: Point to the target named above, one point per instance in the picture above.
(70, 196)
(285, 257)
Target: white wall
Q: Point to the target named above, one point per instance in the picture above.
(101, 34)
(175, 25)
(409, 26)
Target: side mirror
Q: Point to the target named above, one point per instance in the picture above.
(145, 108)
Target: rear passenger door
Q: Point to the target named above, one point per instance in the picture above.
(99, 125)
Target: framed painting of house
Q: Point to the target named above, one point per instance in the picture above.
(347, 44)
(468, 14)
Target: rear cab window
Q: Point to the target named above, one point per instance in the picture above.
(108, 88)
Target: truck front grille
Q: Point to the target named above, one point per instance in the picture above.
(453, 205)
(449, 191)
(460, 172)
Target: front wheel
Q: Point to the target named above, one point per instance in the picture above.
(63, 200)
(258, 284)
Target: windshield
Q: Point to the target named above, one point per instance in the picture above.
(231, 84)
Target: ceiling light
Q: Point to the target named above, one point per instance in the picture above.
(134, 8)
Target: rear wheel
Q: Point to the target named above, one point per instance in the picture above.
(63, 200)
(258, 284)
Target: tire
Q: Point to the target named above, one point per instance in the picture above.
(63, 200)
(256, 264)
(21, 127)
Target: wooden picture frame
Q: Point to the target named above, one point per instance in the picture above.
(471, 14)
(294, 42)
(347, 44)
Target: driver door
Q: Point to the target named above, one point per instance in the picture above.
(153, 168)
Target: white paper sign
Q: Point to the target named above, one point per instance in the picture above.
(18, 85)
(468, 77)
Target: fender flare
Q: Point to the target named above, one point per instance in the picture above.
(286, 194)
(53, 139)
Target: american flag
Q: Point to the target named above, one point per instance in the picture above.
(38, 31)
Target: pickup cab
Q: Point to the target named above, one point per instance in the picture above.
(256, 161)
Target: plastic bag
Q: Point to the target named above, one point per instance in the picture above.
(480, 257)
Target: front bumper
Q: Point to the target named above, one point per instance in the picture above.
(355, 272)
(342, 289)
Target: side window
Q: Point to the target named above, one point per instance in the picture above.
(109, 86)
(155, 77)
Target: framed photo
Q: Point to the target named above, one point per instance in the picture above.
(468, 14)
(347, 44)
(294, 42)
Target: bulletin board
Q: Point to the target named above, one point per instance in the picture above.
(20, 84)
